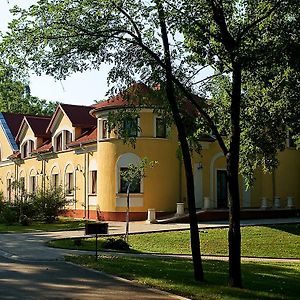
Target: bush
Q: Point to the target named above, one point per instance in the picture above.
(9, 214)
(24, 220)
(115, 244)
(49, 204)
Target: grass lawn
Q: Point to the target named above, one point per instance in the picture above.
(261, 280)
(264, 241)
(61, 224)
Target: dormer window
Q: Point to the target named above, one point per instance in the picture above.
(26, 148)
(62, 139)
(59, 142)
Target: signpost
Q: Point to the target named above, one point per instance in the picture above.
(96, 228)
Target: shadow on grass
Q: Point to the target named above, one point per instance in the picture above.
(289, 228)
(261, 281)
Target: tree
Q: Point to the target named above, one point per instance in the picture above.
(171, 43)
(15, 96)
(133, 176)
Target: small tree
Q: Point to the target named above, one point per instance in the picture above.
(49, 203)
(132, 176)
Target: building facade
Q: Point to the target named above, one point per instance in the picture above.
(75, 149)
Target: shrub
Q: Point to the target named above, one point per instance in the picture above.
(49, 204)
(9, 214)
(115, 244)
(24, 220)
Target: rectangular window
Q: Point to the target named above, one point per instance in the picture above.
(134, 187)
(131, 127)
(55, 181)
(30, 146)
(105, 129)
(32, 184)
(68, 137)
(22, 185)
(70, 183)
(59, 142)
(93, 182)
(25, 150)
(161, 128)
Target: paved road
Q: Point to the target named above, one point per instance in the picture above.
(31, 270)
(60, 280)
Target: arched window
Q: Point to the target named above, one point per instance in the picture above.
(122, 165)
(26, 148)
(69, 180)
(32, 182)
(62, 139)
(55, 177)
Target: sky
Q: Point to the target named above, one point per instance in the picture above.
(80, 88)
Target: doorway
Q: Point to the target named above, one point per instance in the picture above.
(222, 189)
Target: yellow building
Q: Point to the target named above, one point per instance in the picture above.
(75, 149)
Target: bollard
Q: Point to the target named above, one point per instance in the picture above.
(264, 203)
(180, 208)
(151, 216)
(290, 202)
(277, 202)
(206, 203)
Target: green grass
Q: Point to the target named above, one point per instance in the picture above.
(261, 280)
(263, 241)
(61, 224)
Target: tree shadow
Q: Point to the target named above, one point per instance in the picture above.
(289, 228)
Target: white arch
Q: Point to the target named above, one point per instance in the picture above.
(212, 175)
(123, 161)
(55, 165)
(93, 165)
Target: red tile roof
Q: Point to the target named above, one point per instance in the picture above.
(39, 125)
(137, 94)
(90, 136)
(79, 115)
(46, 147)
(15, 155)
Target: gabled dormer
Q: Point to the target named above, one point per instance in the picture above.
(68, 123)
(32, 134)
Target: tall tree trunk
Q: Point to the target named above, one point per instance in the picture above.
(194, 232)
(232, 158)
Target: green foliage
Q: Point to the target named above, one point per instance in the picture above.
(15, 96)
(49, 204)
(115, 244)
(59, 38)
(134, 173)
(9, 213)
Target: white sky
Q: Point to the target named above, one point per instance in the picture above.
(80, 88)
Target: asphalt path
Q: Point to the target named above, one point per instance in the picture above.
(31, 270)
(61, 280)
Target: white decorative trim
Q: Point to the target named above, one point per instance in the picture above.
(92, 200)
(133, 202)
(93, 165)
